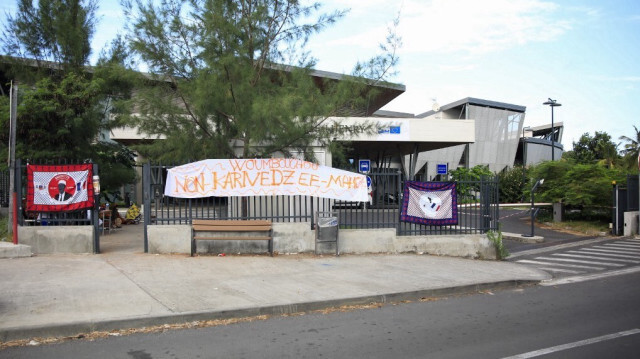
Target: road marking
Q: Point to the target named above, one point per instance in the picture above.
(560, 270)
(557, 247)
(587, 277)
(593, 257)
(526, 261)
(610, 252)
(580, 343)
(610, 246)
(626, 250)
(580, 261)
(635, 244)
(621, 246)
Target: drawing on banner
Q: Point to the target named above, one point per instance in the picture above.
(264, 177)
(431, 203)
(64, 189)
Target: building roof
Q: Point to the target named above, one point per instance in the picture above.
(475, 102)
(543, 130)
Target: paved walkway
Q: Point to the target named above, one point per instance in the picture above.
(65, 295)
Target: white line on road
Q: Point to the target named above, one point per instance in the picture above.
(620, 254)
(594, 257)
(580, 343)
(584, 278)
(559, 246)
(605, 253)
(622, 246)
(628, 243)
(580, 261)
(618, 248)
(526, 261)
(558, 270)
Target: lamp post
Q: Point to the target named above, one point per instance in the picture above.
(524, 157)
(534, 211)
(552, 104)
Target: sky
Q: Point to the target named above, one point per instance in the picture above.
(585, 54)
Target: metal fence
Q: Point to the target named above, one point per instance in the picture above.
(478, 210)
(632, 193)
(625, 199)
(5, 191)
(478, 206)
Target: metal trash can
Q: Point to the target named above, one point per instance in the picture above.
(327, 229)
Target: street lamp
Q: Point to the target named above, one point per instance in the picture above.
(534, 211)
(524, 156)
(552, 104)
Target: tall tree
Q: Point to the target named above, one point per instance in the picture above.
(56, 31)
(598, 148)
(631, 149)
(231, 78)
(64, 107)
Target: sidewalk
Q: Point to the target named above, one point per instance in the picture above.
(65, 295)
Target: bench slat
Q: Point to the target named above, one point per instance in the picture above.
(204, 229)
(229, 222)
(241, 228)
(231, 238)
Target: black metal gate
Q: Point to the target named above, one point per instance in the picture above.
(478, 207)
(625, 199)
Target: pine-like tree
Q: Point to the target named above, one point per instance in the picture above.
(231, 79)
(62, 105)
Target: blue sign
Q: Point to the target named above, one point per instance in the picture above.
(364, 166)
(391, 130)
(442, 168)
(368, 182)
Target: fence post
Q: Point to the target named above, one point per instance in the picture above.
(485, 203)
(17, 183)
(146, 201)
(95, 217)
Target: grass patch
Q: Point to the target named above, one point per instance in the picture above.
(4, 229)
(496, 238)
(590, 228)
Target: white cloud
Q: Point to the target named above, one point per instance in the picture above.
(468, 26)
(457, 68)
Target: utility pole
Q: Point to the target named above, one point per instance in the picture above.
(13, 115)
(552, 104)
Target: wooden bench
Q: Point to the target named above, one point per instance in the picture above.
(231, 230)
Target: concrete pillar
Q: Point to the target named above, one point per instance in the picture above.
(558, 212)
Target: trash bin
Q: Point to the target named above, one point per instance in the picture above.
(327, 229)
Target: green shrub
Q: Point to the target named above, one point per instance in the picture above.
(496, 238)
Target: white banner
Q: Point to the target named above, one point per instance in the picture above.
(264, 177)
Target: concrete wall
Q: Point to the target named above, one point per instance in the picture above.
(169, 239)
(57, 239)
(358, 241)
(630, 223)
(299, 238)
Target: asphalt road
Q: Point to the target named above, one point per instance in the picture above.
(594, 319)
(517, 221)
(582, 258)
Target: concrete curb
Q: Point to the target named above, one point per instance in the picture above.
(10, 250)
(520, 238)
(85, 327)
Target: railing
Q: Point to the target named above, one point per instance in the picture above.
(4, 188)
(478, 206)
